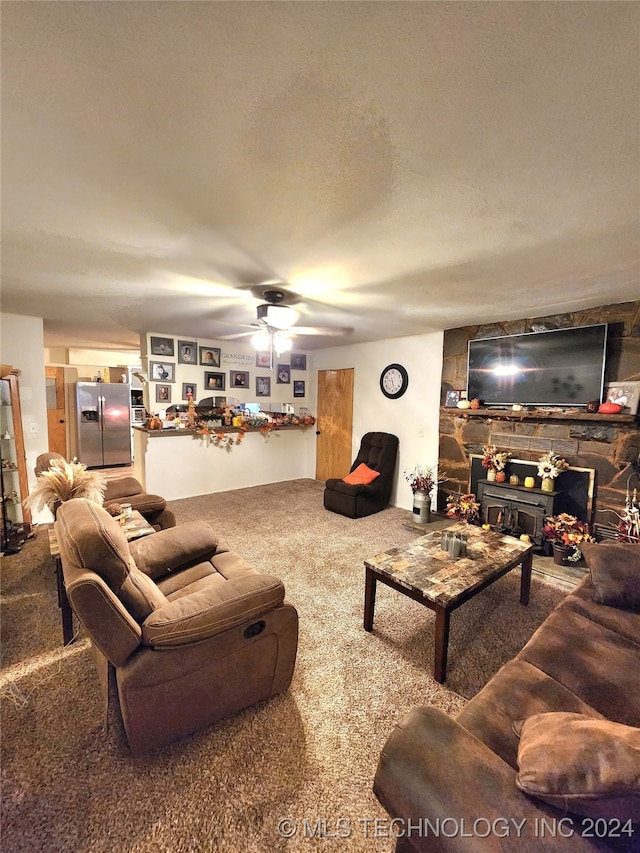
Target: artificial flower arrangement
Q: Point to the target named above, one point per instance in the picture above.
(567, 531)
(422, 479)
(65, 480)
(551, 465)
(463, 507)
(495, 459)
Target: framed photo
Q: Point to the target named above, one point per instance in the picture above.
(210, 356)
(626, 394)
(187, 352)
(263, 386)
(298, 388)
(214, 381)
(162, 371)
(452, 399)
(189, 391)
(263, 359)
(161, 346)
(239, 379)
(298, 361)
(284, 374)
(163, 393)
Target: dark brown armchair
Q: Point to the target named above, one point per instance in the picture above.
(378, 451)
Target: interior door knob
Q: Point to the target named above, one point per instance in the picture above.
(61, 422)
(317, 432)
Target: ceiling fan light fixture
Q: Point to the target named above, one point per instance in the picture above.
(278, 316)
(261, 340)
(281, 342)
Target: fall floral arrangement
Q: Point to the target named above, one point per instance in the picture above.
(494, 458)
(464, 507)
(422, 479)
(550, 465)
(568, 531)
(65, 480)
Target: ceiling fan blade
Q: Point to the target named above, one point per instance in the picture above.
(319, 330)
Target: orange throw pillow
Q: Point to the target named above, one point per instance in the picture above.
(362, 476)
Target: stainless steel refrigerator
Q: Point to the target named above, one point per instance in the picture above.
(104, 423)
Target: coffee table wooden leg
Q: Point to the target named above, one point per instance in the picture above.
(369, 599)
(442, 644)
(525, 578)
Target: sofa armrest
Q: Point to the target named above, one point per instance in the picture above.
(431, 768)
(171, 549)
(207, 612)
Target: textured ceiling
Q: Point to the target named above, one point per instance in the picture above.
(404, 167)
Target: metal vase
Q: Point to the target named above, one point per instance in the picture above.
(421, 507)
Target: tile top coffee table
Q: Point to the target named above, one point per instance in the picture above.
(424, 572)
(133, 528)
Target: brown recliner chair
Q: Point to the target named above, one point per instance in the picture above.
(378, 451)
(125, 489)
(184, 629)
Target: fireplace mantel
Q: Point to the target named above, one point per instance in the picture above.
(539, 415)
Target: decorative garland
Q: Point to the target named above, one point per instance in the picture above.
(220, 438)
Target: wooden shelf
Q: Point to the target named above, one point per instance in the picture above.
(540, 415)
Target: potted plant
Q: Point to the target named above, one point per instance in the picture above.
(463, 507)
(65, 480)
(495, 461)
(422, 481)
(565, 532)
(549, 467)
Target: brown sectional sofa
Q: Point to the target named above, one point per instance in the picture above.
(472, 770)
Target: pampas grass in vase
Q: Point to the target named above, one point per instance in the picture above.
(63, 481)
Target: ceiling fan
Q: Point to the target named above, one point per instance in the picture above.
(275, 315)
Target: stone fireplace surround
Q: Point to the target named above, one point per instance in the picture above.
(608, 444)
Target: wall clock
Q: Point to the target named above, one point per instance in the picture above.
(394, 381)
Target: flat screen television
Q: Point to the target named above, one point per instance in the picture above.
(560, 367)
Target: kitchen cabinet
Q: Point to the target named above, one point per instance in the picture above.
(14, 488)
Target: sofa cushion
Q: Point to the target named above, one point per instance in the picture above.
(587, 766)
(210, 611)
(615, 573)
(593, 661)
(518, 690)
(94, 540)
(140, 595)
(361, 476)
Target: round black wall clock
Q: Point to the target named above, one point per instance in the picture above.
(394, 381)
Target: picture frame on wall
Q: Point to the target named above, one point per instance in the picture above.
(189, 387)
(161, 346)
(263, 386)
(239, 379)
(214, 381)
(187, 352)
(625, 394)
(452, 399)
(263, 359)
(298, 361)
(162, 371)
(283, 374)
(298, 388)
(163, 394)
(210, 356)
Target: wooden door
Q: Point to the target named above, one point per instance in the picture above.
(334, 423)
(56, 411)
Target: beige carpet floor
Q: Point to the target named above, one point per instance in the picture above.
(308, 755)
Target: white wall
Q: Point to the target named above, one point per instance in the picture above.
(414, 417)
(22, 345)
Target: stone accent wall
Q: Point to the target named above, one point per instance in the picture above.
(611, 449)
